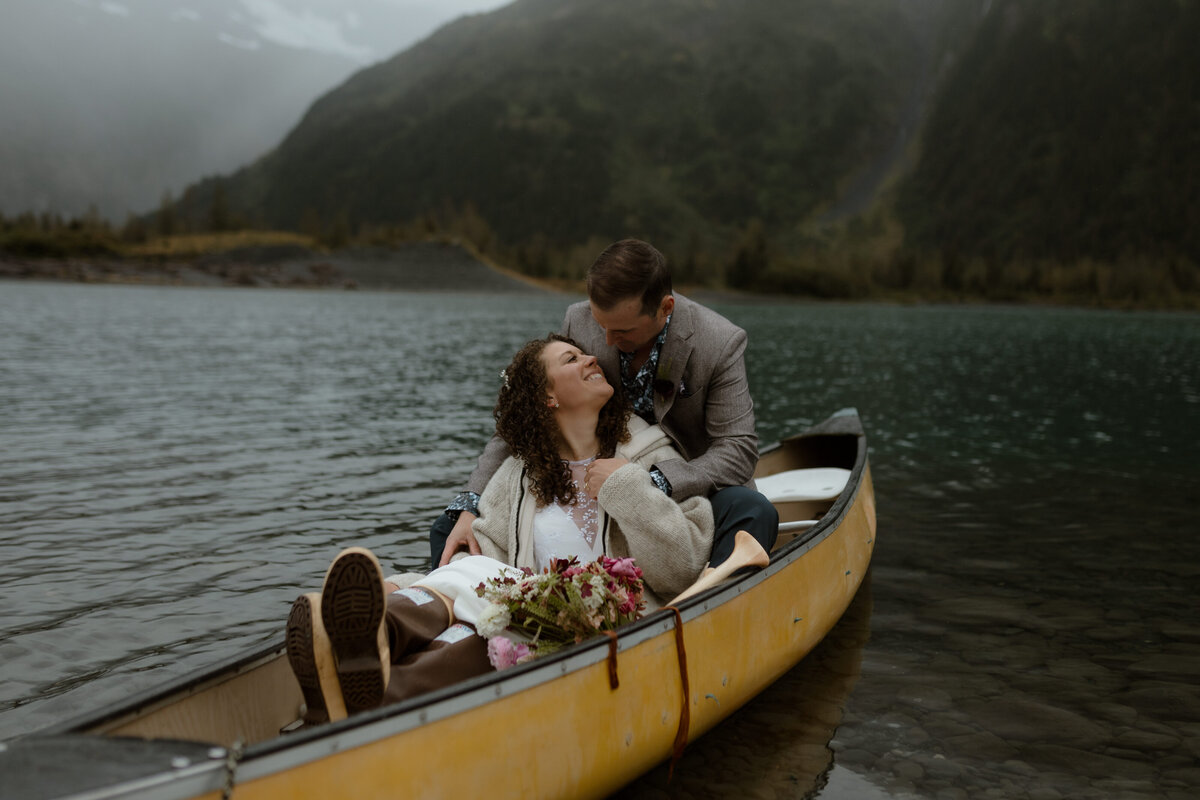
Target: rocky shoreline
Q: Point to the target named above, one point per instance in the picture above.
(413, 267)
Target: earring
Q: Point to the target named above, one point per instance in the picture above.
(553, 404)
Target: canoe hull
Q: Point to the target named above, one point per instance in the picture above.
(590, 736)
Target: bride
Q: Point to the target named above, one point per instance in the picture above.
(577, 484)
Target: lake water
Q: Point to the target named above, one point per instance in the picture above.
(177, 464)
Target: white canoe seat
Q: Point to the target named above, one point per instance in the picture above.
(821, 483)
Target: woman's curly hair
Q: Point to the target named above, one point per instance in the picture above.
(526, 423)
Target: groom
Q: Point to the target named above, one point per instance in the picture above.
(681, 366)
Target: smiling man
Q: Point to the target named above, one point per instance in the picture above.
(682, 366)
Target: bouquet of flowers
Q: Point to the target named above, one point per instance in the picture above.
(564, 604)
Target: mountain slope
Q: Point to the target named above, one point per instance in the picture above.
(828, 146)
(1069, 129)
(573, 118)
(111, 104)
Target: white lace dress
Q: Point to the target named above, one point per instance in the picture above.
(563, 531)
(558, 532)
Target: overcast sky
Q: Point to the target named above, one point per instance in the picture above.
(366, 30)
(363, 30)
(112, 102)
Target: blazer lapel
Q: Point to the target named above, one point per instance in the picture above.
(673, 360)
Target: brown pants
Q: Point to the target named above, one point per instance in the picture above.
(427, 652)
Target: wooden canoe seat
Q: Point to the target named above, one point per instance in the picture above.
(803, 486)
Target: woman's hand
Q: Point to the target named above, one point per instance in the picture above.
(597, 473)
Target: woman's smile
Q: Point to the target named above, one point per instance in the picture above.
(566, 368)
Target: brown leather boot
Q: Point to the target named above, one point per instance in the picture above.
(312, 662)
(352, 610)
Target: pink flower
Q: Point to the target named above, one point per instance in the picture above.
(629, 605)
(504, 653)
(566, 602)
(623, 568)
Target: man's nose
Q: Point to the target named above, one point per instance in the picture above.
(609, 339)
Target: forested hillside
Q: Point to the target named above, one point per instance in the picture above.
(1013, 149)
(1069, 129)
(559, 121)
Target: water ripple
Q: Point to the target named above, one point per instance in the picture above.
(176, 465)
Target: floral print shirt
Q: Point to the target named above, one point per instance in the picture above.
(639, 388)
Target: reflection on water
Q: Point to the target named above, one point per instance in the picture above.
(1038, 654)
(175, 465)
(777, 745)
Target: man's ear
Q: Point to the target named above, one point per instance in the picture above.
(667, 305)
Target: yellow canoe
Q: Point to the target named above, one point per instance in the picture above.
(580, 723)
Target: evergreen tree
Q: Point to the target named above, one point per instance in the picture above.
(166, 215)
(218, 210)
(750, 260)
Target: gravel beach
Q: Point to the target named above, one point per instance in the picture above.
(414, 267)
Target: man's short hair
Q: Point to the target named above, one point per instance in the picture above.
(629, 268)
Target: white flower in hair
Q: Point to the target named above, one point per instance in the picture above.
(504, 377)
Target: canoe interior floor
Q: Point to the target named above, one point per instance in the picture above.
(250, 707)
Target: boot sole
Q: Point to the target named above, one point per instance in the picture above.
(312, 662)
(352, 608)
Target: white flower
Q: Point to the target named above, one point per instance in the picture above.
(599, 595)
(492, 622)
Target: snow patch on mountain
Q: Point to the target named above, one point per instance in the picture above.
(241, 44)
(303, 30)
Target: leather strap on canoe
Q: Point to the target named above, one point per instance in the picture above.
(685, 714)
(613, 683)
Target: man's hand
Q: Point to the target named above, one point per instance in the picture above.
(598, 471)
(460, 538)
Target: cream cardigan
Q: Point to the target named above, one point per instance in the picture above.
(670, 541)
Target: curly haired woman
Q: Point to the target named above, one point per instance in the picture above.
(578, 484)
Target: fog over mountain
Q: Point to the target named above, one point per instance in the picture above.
(112, 103)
